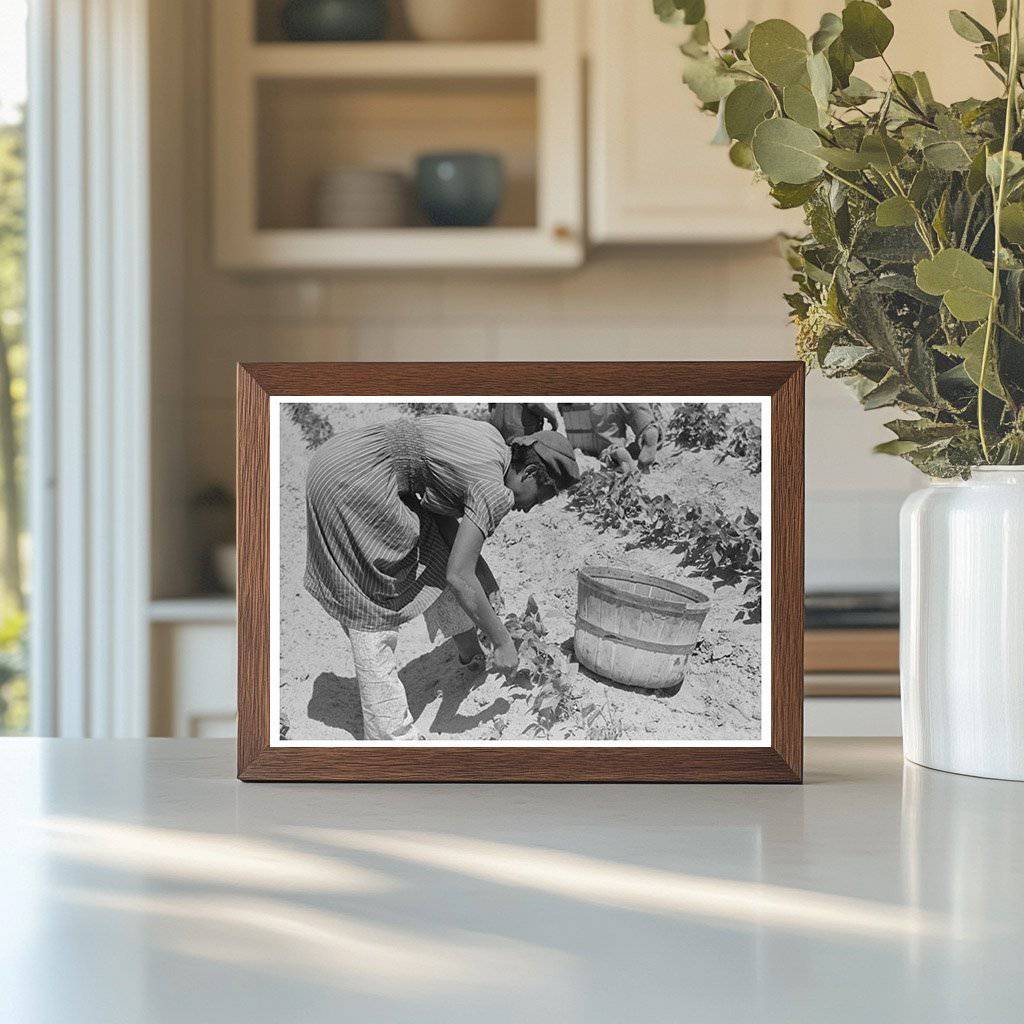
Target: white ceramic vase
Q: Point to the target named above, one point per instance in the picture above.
(962, 624)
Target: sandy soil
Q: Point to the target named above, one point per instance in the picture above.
(535, 553)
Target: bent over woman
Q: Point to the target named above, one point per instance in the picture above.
(397, 515)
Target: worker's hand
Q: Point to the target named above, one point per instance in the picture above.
(506, 658)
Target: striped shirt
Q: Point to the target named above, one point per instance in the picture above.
(375, 555)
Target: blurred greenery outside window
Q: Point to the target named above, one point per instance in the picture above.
(14, 538)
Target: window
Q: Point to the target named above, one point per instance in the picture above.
(14, 695)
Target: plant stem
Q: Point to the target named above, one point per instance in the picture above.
(1011, 108)
(853, 185)
(907, 99)
(775, 98)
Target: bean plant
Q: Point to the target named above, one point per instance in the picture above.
(542, 679)
(910, 276)
(722, 548)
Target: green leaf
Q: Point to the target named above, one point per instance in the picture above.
(890, 245)
(745, 108)
(885, 394)
(999, 9)
(1012, 223)
(895, 212)
(741, 155)
(976, 173)
(690, 12)
(707, 79)
(787, 151)
(857, 91)
(801, 106)
(779, 51)
(993, 167)
(947, 156)
(844, 159)
(971, 352)
(788, 196)
(882, 151)
(870, 322)
(924, 88)
(700, 36)
(840, 61)
(829, 30)
(905, 84)
(895, 447)
(969, 28)
(866, 29)
(922, 185)
(819, 74)
(922, 431)
(921, 370)
(939, 220)
(693, 10)
(665, 10)
(739, 41)
(963, 281)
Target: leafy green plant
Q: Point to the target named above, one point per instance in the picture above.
(910, 278)
(316, 428)
(542, 678)
(721, 548)
(697, 426)
(475, 411)
(743, 442)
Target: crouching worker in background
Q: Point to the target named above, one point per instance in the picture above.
(397, 515)
(514, 420)
(622, 435)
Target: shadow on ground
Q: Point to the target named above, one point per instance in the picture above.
(436, 674)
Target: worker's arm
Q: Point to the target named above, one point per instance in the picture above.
(547, 412)
(462, 578)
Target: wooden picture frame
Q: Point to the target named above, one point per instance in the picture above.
(779, 759)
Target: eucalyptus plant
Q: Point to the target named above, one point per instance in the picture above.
(910, 278)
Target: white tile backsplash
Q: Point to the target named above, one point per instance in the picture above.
(714, 303)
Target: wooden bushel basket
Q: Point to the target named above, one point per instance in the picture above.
(579, 428)
(634, 629)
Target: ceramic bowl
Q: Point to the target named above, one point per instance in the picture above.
(332, 21)
(470, 20)
(359, 197)
(459, 189)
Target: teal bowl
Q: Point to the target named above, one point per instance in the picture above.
(460, 190)
(334, 21)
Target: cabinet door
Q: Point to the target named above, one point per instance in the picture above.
(654, 176)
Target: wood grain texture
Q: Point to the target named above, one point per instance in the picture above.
(779, 762)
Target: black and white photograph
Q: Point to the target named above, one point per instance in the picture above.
(520, 570)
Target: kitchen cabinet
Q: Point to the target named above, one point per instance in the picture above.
(287, 114)
(654, 177)
(192, 645)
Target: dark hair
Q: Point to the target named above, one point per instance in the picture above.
(523, 456)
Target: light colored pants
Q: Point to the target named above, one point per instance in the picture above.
(386, 713)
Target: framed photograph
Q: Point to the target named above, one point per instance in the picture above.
(520, 571)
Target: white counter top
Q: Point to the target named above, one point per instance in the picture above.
(140, 882)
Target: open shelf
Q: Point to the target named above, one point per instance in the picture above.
(520, 24)
(286, 114)
(393, 60)
(307, 128)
